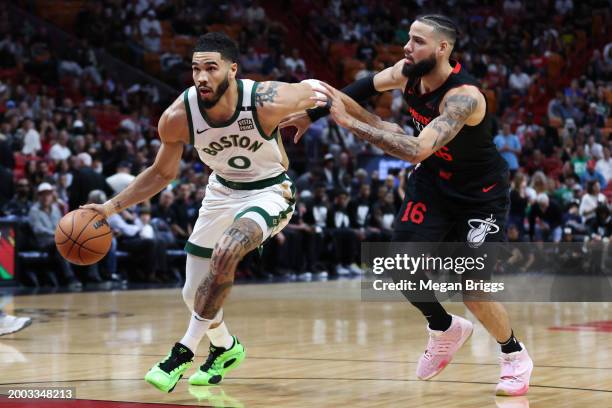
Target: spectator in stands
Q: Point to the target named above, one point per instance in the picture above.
(591, 200)
(579, 161)
(344, 238)
(303, 244)
(149, 254)
(43, 217)
(591, 174)
(528, 130)
(182, 226)
(21, 203)
(545, 220)
(593, 149)
(573, 93)
(60, 150)
(294, 61)
(84, 180)
(251, 61)
(31, 138)
(255, 16)
(164, 208)
(564, 7)
(564, 193)
(518, 201)
(557, 109)
(509, 146)
(359, 209)
(366, 51)
(519, 81)
(316, 214)
(604, 165)
(383, 215)
(599, 226)
(330, 172)
(120, 180)
(150, 30)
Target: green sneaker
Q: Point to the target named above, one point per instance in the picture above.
(165, 374)
(219, 362)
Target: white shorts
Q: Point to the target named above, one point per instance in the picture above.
(270, 203)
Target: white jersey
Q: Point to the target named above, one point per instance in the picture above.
(237, 150)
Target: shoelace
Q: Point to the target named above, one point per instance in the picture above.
(214, 352)
(439, 347)
(172, 362)
(514, 366)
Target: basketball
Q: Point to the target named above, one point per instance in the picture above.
(83, 237)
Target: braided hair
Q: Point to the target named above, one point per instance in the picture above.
(441, 24)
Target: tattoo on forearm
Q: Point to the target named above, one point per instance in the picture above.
(397, 144)
(267, 93)
(243, 236)
(457, 109)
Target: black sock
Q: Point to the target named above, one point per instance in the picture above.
(435, 314)
(511, 345)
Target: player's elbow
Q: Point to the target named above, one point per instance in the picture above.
(164, 174)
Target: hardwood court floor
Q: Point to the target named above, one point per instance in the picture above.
(308, 345)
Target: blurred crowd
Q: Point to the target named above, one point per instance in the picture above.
(167, 30)
(57, 152)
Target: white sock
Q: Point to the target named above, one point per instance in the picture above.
(220, 337)
(195, 332)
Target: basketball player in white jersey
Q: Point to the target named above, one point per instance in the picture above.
(232, 123)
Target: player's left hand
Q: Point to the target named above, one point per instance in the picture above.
(331, 96)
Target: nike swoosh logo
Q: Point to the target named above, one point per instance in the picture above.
(201, 131)
(487, 189)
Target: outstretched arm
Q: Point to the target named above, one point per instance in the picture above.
(173, 133)
(360, 90)
(459, 106)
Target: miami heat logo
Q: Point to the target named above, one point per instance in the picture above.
(479, 230)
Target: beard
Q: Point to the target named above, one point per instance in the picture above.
(217, 95)
(420, 68)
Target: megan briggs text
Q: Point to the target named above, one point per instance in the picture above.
(467, 285)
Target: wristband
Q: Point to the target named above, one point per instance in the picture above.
(359, 90)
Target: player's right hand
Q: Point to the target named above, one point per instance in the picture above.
(298, 120)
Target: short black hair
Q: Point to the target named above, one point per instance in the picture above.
(441, 24)
(218, 42)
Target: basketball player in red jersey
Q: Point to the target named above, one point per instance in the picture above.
(460, 185)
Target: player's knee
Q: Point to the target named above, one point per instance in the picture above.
(218, 254)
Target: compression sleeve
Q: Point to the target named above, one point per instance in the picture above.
(359, 90)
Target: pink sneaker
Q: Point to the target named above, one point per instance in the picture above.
(442, 346)
(515, 373)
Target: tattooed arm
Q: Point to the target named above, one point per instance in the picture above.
(242, 237)
(277, 100)
(460, 106)
(173, 133)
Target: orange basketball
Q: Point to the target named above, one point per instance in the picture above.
(83, 237)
